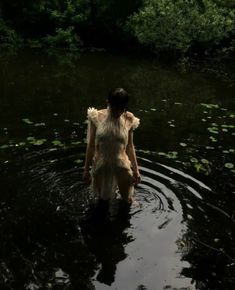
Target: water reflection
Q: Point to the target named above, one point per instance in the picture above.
(107, 238)
(181, 236)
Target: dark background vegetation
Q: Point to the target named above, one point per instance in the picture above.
(179, 26)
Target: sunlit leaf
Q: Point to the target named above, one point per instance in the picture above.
(183, 144)
(78, 161)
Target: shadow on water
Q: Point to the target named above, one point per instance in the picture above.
(53, 236)
(182, 233)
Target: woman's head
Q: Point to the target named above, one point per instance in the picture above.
(118, 100)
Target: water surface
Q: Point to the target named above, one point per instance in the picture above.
(181, 236)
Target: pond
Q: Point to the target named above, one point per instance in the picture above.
(182, 233)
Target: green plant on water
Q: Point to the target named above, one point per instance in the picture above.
(27, 121)
(5, 146)
(213, 139)
(210, 106)
(229, 165)
(76, 142)
(57, 143)
(201, 165)
(172, 155)
(78, 161)
(40, 124)
(213, 130)
(36, 142)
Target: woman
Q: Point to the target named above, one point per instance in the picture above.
(110, 149)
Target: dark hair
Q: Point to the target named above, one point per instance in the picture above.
(118, 98)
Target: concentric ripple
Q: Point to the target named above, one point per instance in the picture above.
(51, 231)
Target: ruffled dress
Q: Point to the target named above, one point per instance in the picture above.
(111, 165)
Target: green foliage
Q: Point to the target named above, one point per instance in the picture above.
(179, 24)
(63, 38)
(8, 36)
(165, 25)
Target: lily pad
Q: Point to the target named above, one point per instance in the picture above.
(38, 142)
(31, 138)
(40, 124)
(213, 139)
(194, 160)
(210, 106)
(27, 121)
(76, 142)
(229, 165)
(57, 143)
(210, 147)
(4, 146)
(172, 155)
(162, 153)
(204, 161)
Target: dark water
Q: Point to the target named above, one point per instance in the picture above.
(182, 234)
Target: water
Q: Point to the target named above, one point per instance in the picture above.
(180, 236)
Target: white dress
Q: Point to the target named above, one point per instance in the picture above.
(110, 165)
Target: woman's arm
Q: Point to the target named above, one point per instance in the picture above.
(130, 150)
(90, 151)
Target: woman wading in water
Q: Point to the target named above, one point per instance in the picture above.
(110, 150)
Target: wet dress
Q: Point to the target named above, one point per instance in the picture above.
(111, 167)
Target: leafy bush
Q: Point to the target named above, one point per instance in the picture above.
(179, 24)
(63, 38)
(8, 36)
